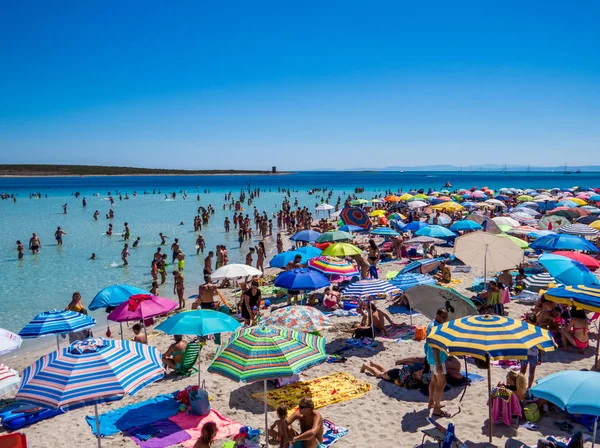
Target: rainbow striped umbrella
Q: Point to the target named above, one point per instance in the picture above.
(265, 353)
(90, 372)
(489, 338)
(9, 380)
(56, 323)
(333, 266)
(299, 318)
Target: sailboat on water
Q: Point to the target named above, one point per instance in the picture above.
(566, 171)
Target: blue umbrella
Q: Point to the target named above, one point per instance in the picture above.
(397, 224)
(281, 260)
(56, 323)
(567, 271)
(310, 251)
(563, 242)
(595, 198)
(574, 391)
(546, 205)
(410, 280)
(540, 234)
(422, 266)
(369, 289)
(351, 228)
(310, 236)
(436, 232)
(114, 295)
(568, 204)
(385, 231)
(468, 204)
(466, 224)
(502, 197)
(414, 226)
(301, 280)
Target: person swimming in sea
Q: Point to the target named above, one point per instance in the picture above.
(136, 242)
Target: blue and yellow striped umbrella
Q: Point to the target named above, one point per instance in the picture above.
(498, 337)
(585, 297)
(266, 353)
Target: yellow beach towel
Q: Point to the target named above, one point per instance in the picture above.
(330, 389)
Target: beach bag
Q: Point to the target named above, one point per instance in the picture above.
(199, 402)
(420, 333)
(531, 413)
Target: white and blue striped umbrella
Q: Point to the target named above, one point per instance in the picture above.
(56, 322)
(369, 289)
(9, 380)
(410, 280)
(579, 230)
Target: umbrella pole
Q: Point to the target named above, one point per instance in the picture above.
(597, 350)
(97, 425)
(595, 430)
(145, 332)
(489, 372)
(121, 327)
(485, 272)
(199, 369)
(58, 344)
(266, 417)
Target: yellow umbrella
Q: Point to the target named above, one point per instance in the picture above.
(577, 201)
(406, 197)
(595, 225)
(377, 213)
(448, 206)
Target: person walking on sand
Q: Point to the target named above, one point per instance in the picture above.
(437, 359)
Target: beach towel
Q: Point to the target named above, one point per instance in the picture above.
(192, 424)
(159, 434)
(137, 414)
(473, 377)
(463, 269)
(332, 433)
(399, 332)
(399, 309)
(323, 391)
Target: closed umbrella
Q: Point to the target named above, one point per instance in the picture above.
(489, 338)
(56, 323)
(9, 341)
(299, 318)
(564, 242)
(567, 271)
(487, 251)
(427, 299)
(342, 250)
(309, 236)
(90, 372)
(334, 236)
(199, 323)
(267, 353)
(576, 392)
(235, 271)
(114, 295)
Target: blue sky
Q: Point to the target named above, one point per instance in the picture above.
(311, 85)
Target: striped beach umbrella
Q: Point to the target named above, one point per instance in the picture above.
(384, 231)
(56, 323)
(524, 218)
(489, 338)
(422, 266)
(410, 280)
(267, 353)
(333, 266)
(299, 318)
(579, 230)
(552, 222)
(540, 281)
(370, 289)
(9, 380)
(9, 341)
(90, 372)
(356, 217)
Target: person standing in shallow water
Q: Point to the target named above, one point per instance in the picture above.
(35, 244)
(20, 250)
(58, 235)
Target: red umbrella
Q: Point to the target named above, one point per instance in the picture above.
(589, 262)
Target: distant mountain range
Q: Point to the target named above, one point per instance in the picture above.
(491, 167)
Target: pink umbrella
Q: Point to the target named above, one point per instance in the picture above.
(141, 307)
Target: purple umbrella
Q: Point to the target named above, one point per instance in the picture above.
(141, 307)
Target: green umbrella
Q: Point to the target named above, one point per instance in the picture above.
(341, 250)
(518, 241)
(359, 202)
(334, 235)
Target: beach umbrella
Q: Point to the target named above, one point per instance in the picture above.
(579, 230)
(524, 218)
(410, 280)
(90, 372)
(527, 210)
(524, 198)
(334, 236)
(356, 217)
(589, 262)
(342, 250)
(442, 219)
(424, 266)
(369, 289)
(56, 323)
(309, 236)
(435, 232)
(569, 203)
(425, 240)
(384, 231)
(570, 213)
(506, 221)
(9, 380)
(267, 353)
(235, 271)
(496, 203)
(486, 251)
(540, 281)
(567, 271)
(578, 201)
(518, 241)
(521, 230)
(311, 251)
(586, 220)
(574, 391)
(9, 341)
(377, 213)
(427, 299)
(485, 222)
(324, 207)
(592, 210)
(392, 198)
(333, 266)
(301, 279)
(299, 318)
(552, 222)
(595, 225)
(359, 201)
(504, 228)
(540, 233)
(349, 228)
(281, 260)
(413, 226)
(489, 338)
(199, 323)
(406, 197)
(141, 307)
(114, 295)
(449, 206)
(396, 215)
(417, 204)
(563, 242)
(586, 297)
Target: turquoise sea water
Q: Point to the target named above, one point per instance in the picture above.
(46, 281)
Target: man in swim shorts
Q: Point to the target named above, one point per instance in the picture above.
(437, 360)
(35, 244)
(206, 295)
(58, 235)
(311, 425)
(207, 271)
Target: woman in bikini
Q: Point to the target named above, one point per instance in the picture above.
(260, 256)
(174, 355)
(576, 332)
(373, 258)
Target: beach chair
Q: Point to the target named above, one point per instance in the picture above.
(190, 356)
(14, 440)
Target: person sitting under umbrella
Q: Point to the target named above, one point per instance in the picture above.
(374, 321)
(174, 355)
(575, 332)
(444, 275)
(331, 299)
(138, 335)
(311, 425)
